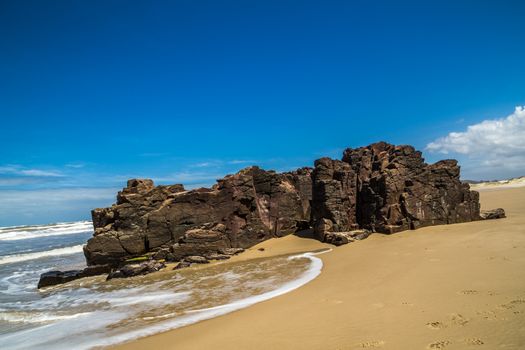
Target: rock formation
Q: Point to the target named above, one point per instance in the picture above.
(238, 212)
(386, 188)
(379, 188)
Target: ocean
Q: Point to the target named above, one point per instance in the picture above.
(92, 312)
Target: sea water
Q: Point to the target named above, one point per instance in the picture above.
(92, 312)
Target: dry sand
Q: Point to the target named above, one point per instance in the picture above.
(444, 287)
(497, 185)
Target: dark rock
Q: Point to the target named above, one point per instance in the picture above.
(163, 254)
(359, 235)
(231, 251)
(336, 238)
(95, 270)
(137, 269)
(493, 214)
(52, 278)
(183, 264)
(195, 259)
(340, 238)
(261, 249)
(216, 256)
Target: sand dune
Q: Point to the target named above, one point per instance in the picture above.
(494, 185)
(445, 287)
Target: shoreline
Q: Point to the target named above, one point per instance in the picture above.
(452, 286)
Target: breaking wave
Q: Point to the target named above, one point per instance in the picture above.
(85, 316)
(10, 259)
(14, 233)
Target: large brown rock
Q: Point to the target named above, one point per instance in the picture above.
(238, 212)
(379, 188)
(396, 190)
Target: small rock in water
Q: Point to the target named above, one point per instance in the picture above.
(52, 278)
(137, 269)
(182, 265)
(196, 259)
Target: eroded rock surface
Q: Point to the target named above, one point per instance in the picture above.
(238, 212)
(386, 188)
(378, 188)
(131, 270)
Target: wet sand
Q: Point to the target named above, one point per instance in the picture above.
(456, 286)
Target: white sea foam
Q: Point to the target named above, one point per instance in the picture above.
(27, 317)
(9, 259)
(195, 316)
(86, 330)
(27, 232)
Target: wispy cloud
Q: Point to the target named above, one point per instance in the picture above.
(495, 147)
(21, 171)
(152, 154)
(221, 163)
(205, 164)
(241, 161)
(43, 173)
(75, 165)
(17, 181)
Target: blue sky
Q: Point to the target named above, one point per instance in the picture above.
(95, 92)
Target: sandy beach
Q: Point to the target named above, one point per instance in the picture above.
(456, 286)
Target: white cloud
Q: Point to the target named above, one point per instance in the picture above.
(241, 161)
(20, 171)
(37, 172)
(204, 165)
(493, 147)
(75, 165)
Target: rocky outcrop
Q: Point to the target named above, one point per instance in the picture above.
(238, 212)
(386, 188)
(378, 188)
